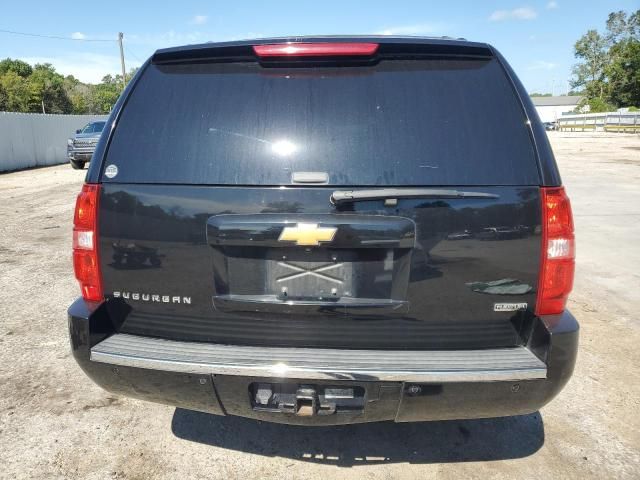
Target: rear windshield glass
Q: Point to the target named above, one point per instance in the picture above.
(400, 122)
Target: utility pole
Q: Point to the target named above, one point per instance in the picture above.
(124, 74)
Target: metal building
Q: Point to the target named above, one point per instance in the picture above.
(550, 109)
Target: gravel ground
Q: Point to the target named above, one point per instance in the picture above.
(55, 423)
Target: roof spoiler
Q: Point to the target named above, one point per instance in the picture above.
(388, 47)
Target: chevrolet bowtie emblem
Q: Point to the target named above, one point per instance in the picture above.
(308, 234)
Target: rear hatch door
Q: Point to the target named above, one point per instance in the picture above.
(391, 203)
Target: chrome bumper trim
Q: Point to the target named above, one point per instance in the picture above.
(502, 364)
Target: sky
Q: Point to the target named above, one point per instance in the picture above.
(535, 36)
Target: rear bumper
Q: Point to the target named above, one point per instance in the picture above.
(320, 364)
(399, 385)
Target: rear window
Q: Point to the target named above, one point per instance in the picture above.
(400, 122)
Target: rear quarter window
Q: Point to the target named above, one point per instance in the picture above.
(399, 122)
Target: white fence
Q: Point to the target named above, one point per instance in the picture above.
(608, 122)
(34, 139)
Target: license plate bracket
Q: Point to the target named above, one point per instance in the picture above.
(318, 279)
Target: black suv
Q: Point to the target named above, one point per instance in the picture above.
(265, 232)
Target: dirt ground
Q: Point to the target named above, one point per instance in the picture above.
(55, 423)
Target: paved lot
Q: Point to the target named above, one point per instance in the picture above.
(54, 423)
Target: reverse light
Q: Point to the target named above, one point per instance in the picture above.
(557, 264)
(86, 263)
(315, 49)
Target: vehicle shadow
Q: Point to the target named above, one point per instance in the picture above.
(372, 443)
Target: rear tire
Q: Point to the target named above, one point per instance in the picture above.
(76, 165)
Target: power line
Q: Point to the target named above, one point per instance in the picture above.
(132, 53)
(57, 37)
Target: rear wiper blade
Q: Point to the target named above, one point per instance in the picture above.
(391, 194)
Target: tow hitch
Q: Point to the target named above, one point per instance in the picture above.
(306, 400)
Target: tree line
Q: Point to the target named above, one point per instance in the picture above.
(608, 71)
(24, 88)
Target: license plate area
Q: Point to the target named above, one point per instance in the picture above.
(362, 269)
(311, 281)
(311, 275)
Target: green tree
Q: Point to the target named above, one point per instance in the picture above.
(596, 105)
(623, 70)
(589, 74)
(621, 27)
(19, 67)
(46, 88)
(624, 73)
(609, 63)
(79, 94)
(24, 88)
(16, 91)
(106, 93)
(4, 98)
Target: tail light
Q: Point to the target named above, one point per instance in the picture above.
(315, 49)
(557, 264)
(85, 243)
